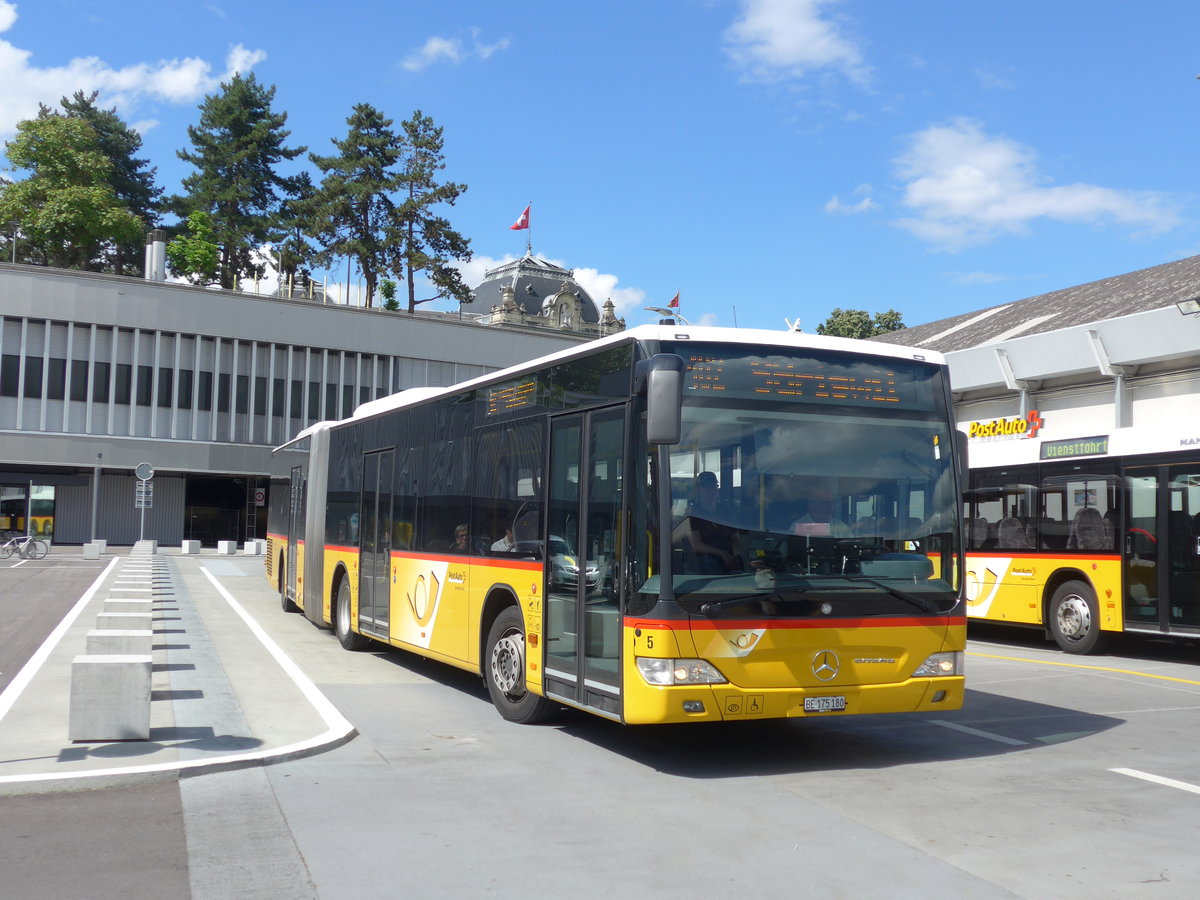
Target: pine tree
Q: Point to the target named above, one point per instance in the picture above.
(428, 242)
(237, 146)
(353, 212)
(66, 209)
(132, 179)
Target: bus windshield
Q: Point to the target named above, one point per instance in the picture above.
(781, 504)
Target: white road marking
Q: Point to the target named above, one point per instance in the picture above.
(998, 738)
(1158, 779)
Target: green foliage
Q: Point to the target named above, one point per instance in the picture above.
(131, 179)
(857, 323)
(387, 290)
(66, 210)
(428, 242)
(236, 148)
(353, 212)
(195, 255)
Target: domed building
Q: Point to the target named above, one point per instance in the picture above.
(534, 293)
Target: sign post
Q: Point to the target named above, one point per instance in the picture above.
(144, 498)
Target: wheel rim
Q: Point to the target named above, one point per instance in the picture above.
(508, 662)
(1074, 618)
(343, 612)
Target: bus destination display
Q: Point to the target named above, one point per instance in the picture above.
(808, 379)
(507, 398)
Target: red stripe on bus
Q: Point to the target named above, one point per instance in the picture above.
(726, 624)
(1038, 554)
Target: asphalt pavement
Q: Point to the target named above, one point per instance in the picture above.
(223, 694)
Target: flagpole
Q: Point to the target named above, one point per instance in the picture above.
(529, 231)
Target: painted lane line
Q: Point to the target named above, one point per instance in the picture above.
(998, 738)
(340, 730)
(1050, 662)
(22, 678)
(1158, 779)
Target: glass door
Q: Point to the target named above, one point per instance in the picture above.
(1162, 548)
(375, 550)
(582, 618)
(295, 519)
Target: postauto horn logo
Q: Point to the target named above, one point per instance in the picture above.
(1027, 427)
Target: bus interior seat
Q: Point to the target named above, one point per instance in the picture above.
(1089, 531)
(1011, 534)
(977, 532)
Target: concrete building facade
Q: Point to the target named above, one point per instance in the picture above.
(99, 374)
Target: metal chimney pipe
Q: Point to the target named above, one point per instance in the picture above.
(156, 255)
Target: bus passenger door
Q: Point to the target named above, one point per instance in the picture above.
(295, 508)
(1162, 548)
(375, 534)
(582, 614)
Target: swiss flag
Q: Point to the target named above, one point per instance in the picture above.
(674, 304)
(522, 220)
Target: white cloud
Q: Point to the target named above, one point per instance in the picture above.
(835, 206)
(453, 50)
(778, 39)
(173, 81)
(966, 187)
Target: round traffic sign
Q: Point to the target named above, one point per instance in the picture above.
(144, 471)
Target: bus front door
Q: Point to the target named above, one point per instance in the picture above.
(1161, 548)
(295, 510)
(375, 549)
(582, 615)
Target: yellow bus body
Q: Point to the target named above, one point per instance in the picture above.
(1016, 589)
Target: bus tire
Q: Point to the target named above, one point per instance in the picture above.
(285, 604)
(341, 621)
(1075, 618)
(504, 671)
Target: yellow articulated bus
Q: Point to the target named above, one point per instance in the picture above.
(1086, 537)
(672, 524)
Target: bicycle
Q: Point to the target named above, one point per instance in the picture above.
(26, 546)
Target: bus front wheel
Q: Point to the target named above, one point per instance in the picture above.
(504, 671)
(1075, 619)
(341, 621)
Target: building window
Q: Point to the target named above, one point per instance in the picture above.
(145, 379)
(278, 386)
(184, 400)
(33, 377)
(100, 383)
(79, 377)
(165, 383)
(260, 395)
(243, 394)
(124, 383)
(10, 372)
(56, 379)
(204, 401)
(223, 392)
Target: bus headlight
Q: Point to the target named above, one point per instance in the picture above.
(950, 663)
(678, 671)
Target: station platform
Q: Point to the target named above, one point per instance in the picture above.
(224, 694)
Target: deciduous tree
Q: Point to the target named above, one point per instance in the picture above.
(194, 255)
(66, 209)
(858, 323)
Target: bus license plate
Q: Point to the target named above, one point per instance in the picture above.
(824, 704)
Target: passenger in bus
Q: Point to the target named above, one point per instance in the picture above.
(506, 544)
(462, 542)
(818, 517)
(712, 543)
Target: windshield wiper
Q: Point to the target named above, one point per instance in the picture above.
(917, 601)
(713, 606)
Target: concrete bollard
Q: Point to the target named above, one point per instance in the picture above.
(91, 550)
(124, 620)
(120, 642)
(226, 548)
(123, 605)
(250, 548)
(110, 698)
(189, 548)
(145, 548)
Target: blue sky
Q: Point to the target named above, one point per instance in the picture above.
(769, 159)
